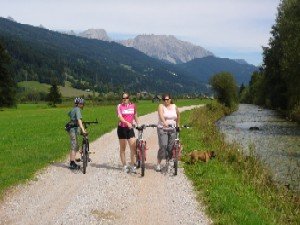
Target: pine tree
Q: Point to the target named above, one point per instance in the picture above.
(7, 83)
(54, 96)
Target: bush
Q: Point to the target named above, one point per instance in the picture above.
(225, 88)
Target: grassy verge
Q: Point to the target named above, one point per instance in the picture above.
(236, 189)
(32, 136)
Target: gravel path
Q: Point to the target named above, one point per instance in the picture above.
(105, 195)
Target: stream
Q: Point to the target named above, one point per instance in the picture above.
(267, 135)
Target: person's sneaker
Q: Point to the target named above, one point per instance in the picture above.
(158, 168)
(132, 169)
(126, 169)
(74, 166)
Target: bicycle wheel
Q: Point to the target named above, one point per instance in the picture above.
(85, 156)
(175, 157)
(142, 160)
(137, 155)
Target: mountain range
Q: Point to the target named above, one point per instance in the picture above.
(164, 47)
(167, 48)
(42, 54)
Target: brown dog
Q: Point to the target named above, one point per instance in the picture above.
(203, 156)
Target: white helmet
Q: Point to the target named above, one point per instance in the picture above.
(79, 101)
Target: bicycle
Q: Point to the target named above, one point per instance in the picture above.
(86, 146)
(141, 147)
(175, 153)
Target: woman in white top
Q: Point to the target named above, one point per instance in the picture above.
(168, 114)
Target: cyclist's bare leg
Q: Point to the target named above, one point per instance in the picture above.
(132, 145)
(122, 151)
(72, 155)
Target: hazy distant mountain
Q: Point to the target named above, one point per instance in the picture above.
(41, 26)
(240, 61)
(11, 19)
(167, 48)
(68, 32)
(206, 67)
(99, 34)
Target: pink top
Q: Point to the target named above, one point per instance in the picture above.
(127, 111)
(170, 115)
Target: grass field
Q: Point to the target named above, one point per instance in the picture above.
(66, 91)
(33, 135)
(235, 189)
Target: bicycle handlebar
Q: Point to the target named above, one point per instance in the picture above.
(173, 128)
(143, 126)
(86, 123)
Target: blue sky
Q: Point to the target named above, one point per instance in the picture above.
(228, 28)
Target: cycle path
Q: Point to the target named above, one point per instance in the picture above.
(106, 195)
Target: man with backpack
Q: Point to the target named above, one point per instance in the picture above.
(74, 128)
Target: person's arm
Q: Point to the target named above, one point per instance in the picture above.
(161, 115)
(79, 121)
(81, 126)
(124, 121)
(136, 117)
(178, 117)
(121, 118)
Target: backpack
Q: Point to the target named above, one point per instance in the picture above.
(71, 124)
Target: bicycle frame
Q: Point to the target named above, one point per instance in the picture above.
(141, 148)
(85, 152)
(86, 146)
(175, 151)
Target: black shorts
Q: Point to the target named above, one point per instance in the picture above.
(125, 132)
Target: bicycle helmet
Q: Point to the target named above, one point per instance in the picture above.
(78, 101)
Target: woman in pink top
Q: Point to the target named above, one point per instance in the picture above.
(127, 114)
(168, 114)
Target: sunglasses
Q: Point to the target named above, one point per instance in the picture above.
(166, 99)
(126, 98)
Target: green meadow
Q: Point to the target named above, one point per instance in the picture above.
(32, 136)
(66, 91)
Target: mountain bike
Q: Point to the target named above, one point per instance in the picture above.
(175, 153)
(86, 147)
(141, 147)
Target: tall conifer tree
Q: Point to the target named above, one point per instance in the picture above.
(7, 83)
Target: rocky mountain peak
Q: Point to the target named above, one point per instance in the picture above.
(99, 34)
(167, 48)
(11, 19)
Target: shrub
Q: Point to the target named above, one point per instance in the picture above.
(225, 88)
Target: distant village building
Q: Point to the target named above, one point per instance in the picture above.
(156, 98)
(142, 94)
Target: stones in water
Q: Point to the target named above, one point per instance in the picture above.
(253, 128)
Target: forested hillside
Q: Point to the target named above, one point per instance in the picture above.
(44, 55)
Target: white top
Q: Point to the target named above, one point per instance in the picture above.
(170, 115)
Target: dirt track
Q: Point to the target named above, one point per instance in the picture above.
(105, 195)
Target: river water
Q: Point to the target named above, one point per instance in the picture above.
(275, 141)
